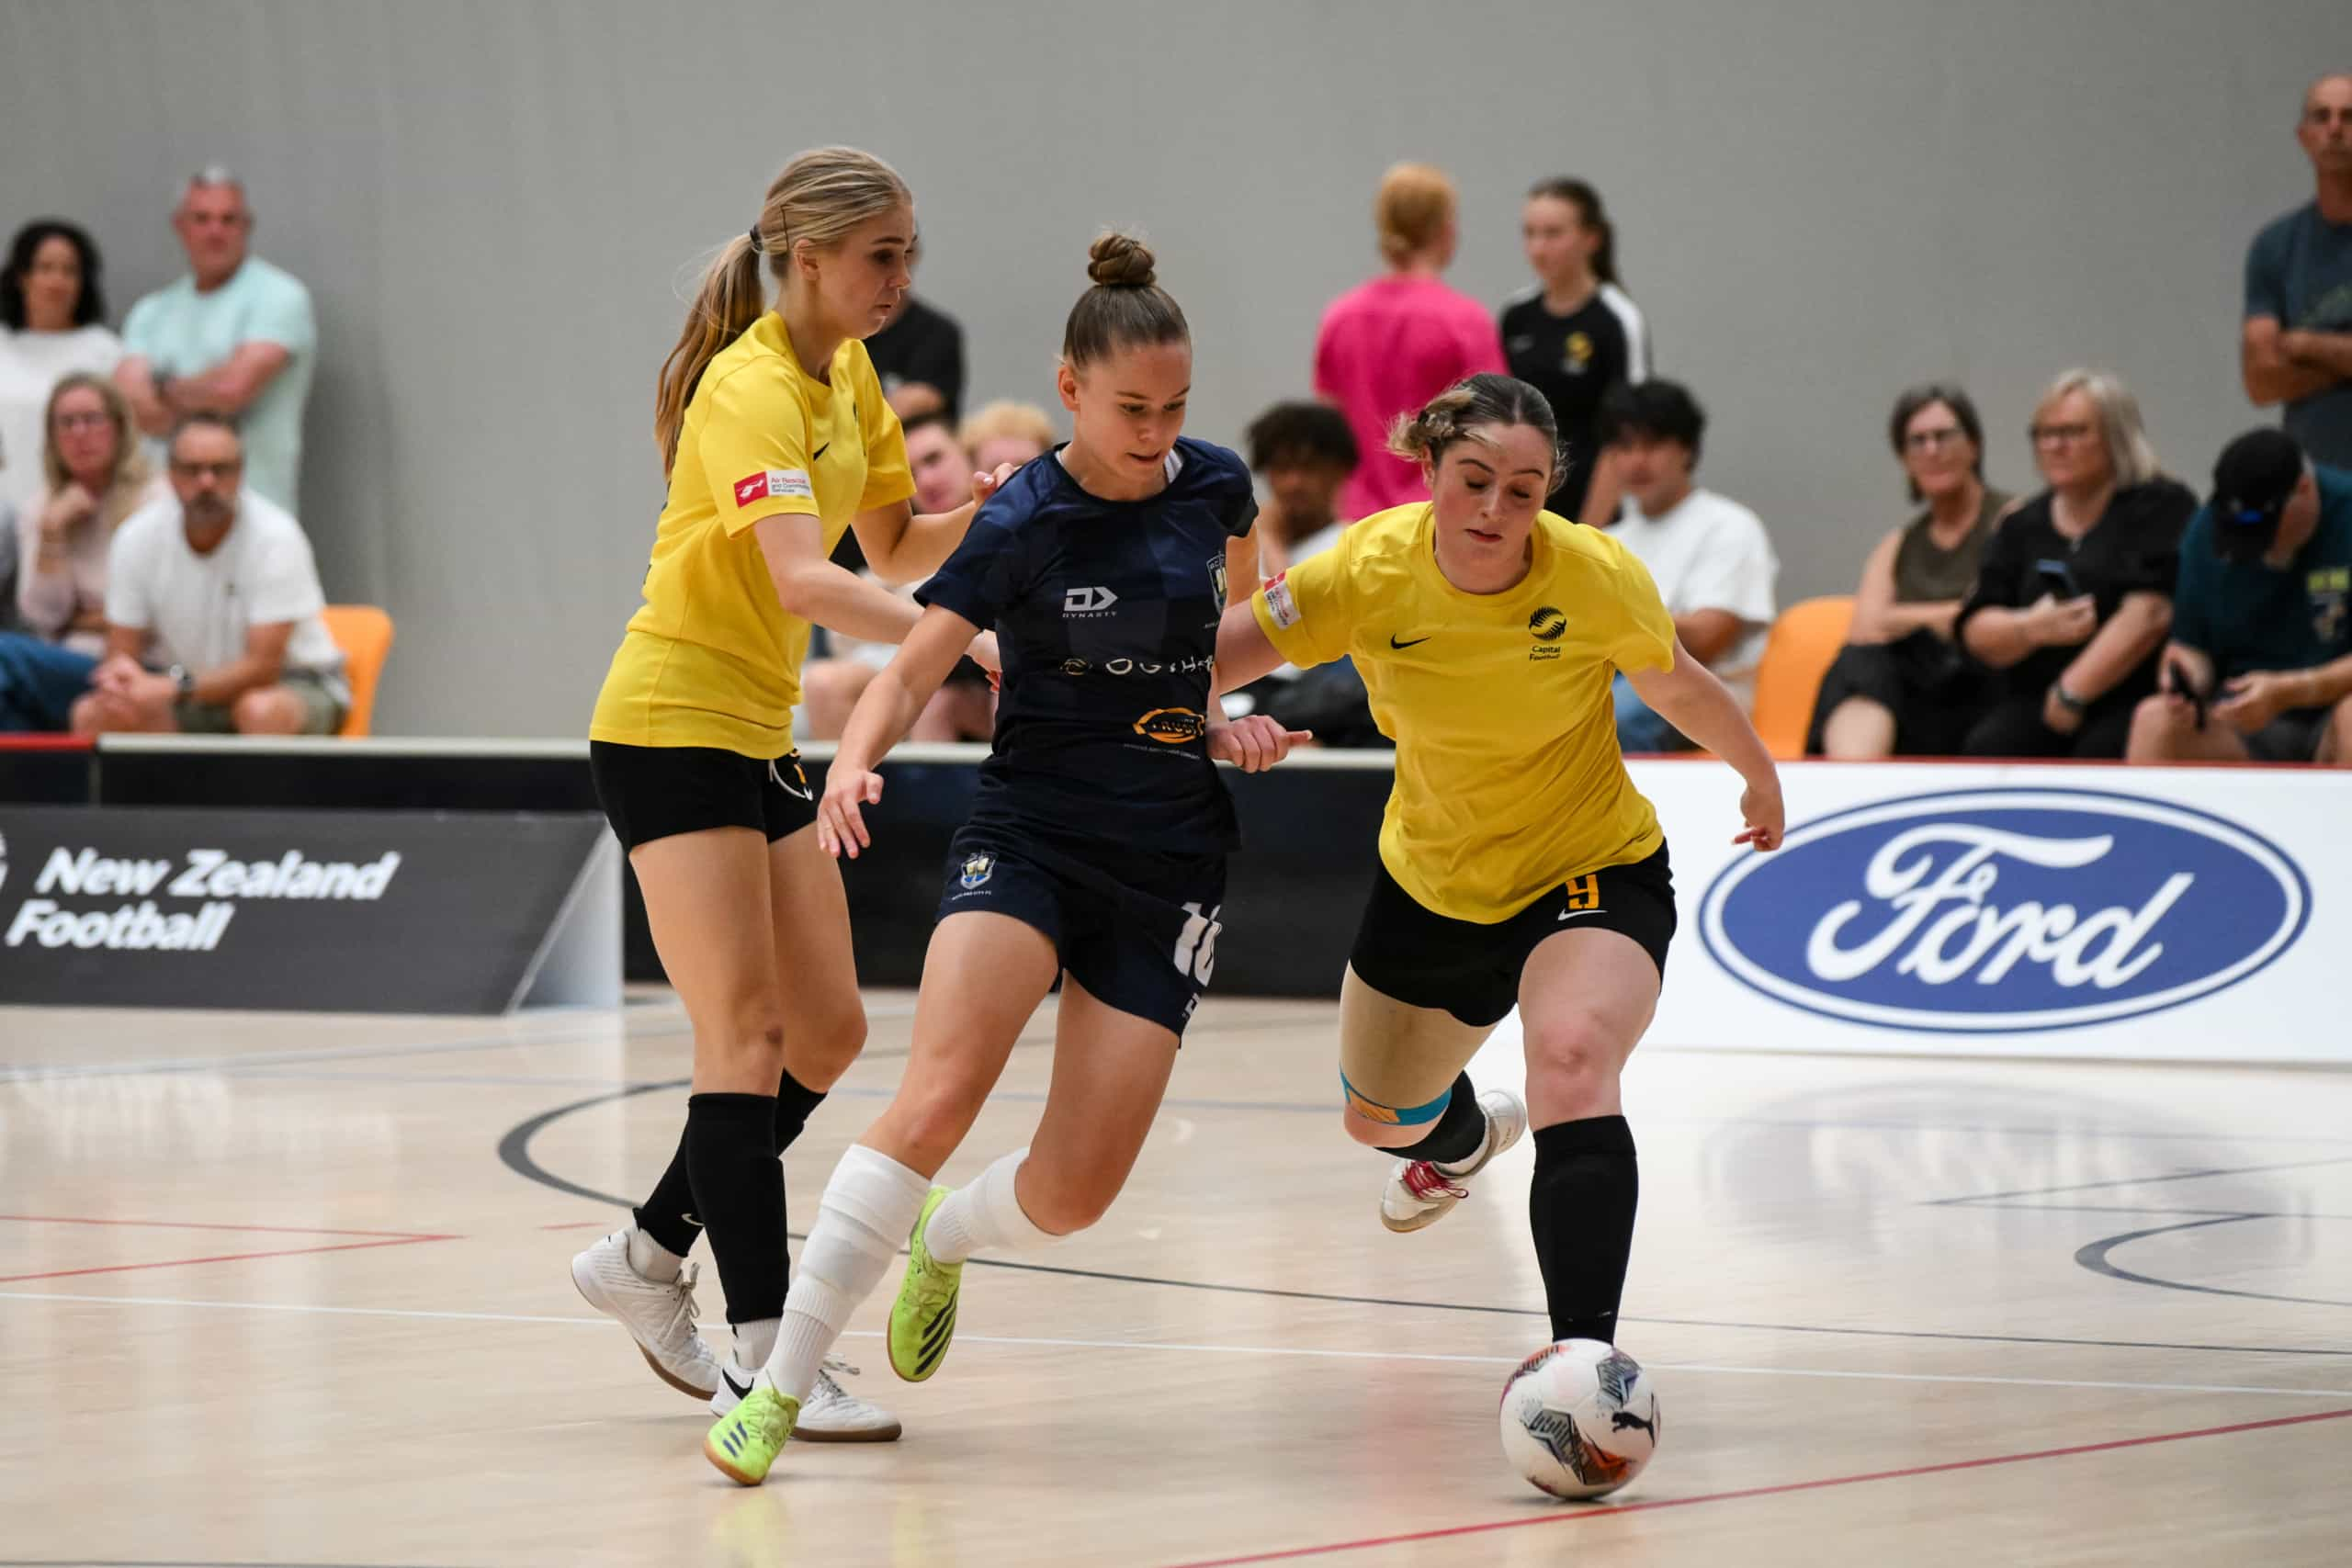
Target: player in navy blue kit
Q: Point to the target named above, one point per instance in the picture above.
(1095, 851)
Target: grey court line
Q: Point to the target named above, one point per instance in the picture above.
(1969, 1197)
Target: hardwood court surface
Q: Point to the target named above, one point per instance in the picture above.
(294, 1290)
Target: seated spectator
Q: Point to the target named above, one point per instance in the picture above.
(1902, 687)
(97, 477)
(235, 337)
(1007, 432)
(2074, 592)
(1304, 454)
(919, 356)
(52, 324)
(216, 584)
(2260, 662)
(1708, 555)
(1391, 344)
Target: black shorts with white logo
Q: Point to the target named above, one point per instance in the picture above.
(1142, 941)
(658, 791)
(1424, 959)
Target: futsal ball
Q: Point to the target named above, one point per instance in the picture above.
(1579, 1419)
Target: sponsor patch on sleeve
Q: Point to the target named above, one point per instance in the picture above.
(773, 482)
(1278, 602)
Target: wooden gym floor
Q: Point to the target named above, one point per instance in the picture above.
(293, 1290)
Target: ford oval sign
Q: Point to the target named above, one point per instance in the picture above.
(2005, 909)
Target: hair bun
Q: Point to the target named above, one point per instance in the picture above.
(1120, 260)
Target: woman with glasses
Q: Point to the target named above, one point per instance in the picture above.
(95, 476)
(1902, 687)
(2074, 595)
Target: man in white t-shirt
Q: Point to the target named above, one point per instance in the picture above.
(213, 622)
(1708, 554)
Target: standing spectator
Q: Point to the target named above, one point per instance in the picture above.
(1303, 453)
(235, 337)
(2298, 348)
(1006, 432)
(1902, 687)
(1389, 345)
(98, 475)
(2074, 592)
(2264, 608)
(919, 354)
(52, 324)
(1708, 555)
(1576, 333)
(215, 583)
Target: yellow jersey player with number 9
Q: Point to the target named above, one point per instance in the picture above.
(775, 439)
(1518, 863)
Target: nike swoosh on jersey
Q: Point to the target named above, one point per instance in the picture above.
(1572, 914)
(1415, 643)
(820, 451)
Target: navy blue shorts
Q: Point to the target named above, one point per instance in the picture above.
(1143, 942)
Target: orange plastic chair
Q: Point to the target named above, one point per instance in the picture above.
(365, 635)
(1802, 645)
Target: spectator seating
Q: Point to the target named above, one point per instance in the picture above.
(364, 632)
(1805, 641)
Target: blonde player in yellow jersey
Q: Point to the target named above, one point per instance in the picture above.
(1517, 862)
(776, 437)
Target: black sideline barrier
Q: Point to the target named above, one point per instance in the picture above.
(349, 911)
(1291, 899)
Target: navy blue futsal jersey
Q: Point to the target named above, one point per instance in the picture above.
(1105, 612)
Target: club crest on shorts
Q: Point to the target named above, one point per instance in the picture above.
(977, 869)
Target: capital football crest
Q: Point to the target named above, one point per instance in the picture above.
(977, 870)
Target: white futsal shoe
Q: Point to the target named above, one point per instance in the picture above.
(1420, 1192)
(830, 1414)
(660, 1318)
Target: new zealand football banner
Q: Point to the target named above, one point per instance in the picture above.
(2191, 914)
(354, 911)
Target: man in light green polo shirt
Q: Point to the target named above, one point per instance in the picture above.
(236, 336)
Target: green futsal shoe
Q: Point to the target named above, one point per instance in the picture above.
(745, 1441)
(923, 1320)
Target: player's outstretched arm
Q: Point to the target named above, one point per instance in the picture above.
(1243, 654)
(1688, 698)
(903, 547)
(880, 720)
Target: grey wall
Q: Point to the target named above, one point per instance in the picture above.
(496, 204)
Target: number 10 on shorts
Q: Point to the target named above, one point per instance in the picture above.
(1196, 944)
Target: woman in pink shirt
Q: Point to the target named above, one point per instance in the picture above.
(1390, 345)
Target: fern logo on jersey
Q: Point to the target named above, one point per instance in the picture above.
(2004, 910)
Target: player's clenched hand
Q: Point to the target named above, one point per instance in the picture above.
(841, 829)
(1255, 743)
(985, 485)
(1766, 818)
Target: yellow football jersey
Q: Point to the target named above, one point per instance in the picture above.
(1509, 779)
(711, 659)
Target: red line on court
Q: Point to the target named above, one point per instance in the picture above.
(222, 1257)
(196, 1225)
(1604, 1511)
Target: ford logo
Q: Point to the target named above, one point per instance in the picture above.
(2000, 909)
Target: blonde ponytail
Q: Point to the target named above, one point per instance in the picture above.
(816, 201)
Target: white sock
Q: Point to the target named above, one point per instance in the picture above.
(985, 1214)
(650, 1258)
(755, 1341)
(869, 1204)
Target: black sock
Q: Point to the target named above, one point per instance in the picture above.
(669, 1214)
(1458, 1131)
(739, 1194)
(1581, 1209)
(794, 1102)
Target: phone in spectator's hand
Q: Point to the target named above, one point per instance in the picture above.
(2057, 579)
(2179, 675)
